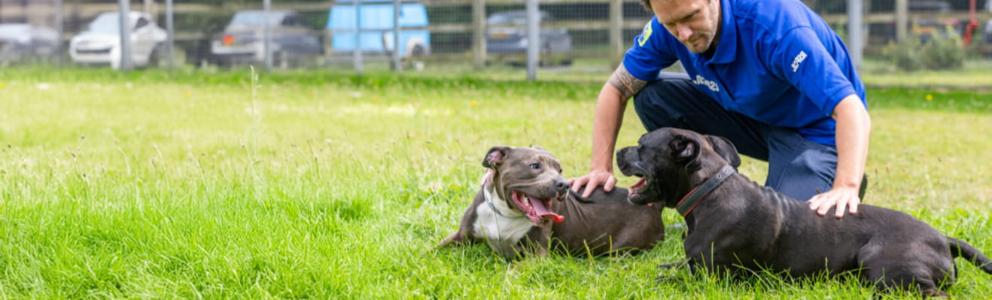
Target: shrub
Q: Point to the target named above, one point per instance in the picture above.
(938, 52)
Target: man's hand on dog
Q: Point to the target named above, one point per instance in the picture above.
(844, 198)
(592, 180)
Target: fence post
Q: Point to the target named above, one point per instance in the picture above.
(171, 31)
(479, 33)
(533, 39)
(59, 32)
(855, 30)
(357, 52)
(902, 19)
(616, 33)
(125, 34)
(396, 36)
(267, 47)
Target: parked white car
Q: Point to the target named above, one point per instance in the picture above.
(100, 43)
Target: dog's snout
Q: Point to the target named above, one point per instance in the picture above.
(623, 161)
(561, 185)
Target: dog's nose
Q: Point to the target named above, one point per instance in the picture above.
(621, 158)
(561, 185)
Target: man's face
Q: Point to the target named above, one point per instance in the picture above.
(693, 22)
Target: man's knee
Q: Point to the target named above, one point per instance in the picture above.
(807, 177)
(802, 173)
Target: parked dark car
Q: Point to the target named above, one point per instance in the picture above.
(242, 41)
(988, 24)
(506, 38)
(932, 22)
(25, 42)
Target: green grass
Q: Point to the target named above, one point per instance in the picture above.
(158, 185)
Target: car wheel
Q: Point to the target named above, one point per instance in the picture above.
(280, 60)
(546, 60)
(417, 55)
(155, 59)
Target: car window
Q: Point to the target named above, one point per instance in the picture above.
(142, 22)
(106, 23)
(515, 18)
(255, 19)
(292, 21)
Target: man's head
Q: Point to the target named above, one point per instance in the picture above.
(695, 23)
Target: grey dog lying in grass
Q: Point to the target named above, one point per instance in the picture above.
(524, 206)
(736, 224)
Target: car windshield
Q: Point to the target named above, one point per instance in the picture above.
(255, 19)
(516, 18)
(508, 19)
(106, 23)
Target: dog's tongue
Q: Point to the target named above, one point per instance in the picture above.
(541, 212)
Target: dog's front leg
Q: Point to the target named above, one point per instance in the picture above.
(538, 240)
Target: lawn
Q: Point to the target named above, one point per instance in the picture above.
(193, 185)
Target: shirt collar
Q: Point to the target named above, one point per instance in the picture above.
(726, 48)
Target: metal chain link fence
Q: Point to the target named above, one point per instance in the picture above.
(574, 36)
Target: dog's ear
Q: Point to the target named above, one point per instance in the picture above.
(494, 158)
(684, 149)
(726, 149)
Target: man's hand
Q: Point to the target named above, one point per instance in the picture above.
(844, 198)
(594, 179)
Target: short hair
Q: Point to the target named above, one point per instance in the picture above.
(647, 5)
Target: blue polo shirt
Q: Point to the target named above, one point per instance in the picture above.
(776, 62)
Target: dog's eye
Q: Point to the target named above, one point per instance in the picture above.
(535, 166)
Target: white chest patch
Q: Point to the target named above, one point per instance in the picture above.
(501, 230)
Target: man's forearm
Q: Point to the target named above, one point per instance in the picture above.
(605, 126)
(610, 106)
(853, 129)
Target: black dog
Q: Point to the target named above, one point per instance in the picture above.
(735, 223)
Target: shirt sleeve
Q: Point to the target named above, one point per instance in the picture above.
(800, 58)
(649, 54)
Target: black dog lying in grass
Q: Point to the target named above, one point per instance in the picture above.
(735, 223)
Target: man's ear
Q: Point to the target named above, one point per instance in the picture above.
(726, 149)
(683, 149)
(494, 158)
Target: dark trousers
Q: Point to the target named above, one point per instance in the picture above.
(796, 167)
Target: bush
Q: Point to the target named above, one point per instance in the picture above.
(905, 55)
(938, 52)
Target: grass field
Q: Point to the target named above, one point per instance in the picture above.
(151, 185)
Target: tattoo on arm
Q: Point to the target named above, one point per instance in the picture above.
(626, 83)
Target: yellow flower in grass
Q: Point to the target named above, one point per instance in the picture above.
(929, 97)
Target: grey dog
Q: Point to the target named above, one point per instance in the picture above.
(734, 224)
(524, 206)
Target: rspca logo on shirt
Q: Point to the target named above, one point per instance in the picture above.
(707, 83)
(798, 60)
(645, 34)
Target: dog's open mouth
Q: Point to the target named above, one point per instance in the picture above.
(535, 209)
(635, 190)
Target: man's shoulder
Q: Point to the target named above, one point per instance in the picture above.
(771, 15)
